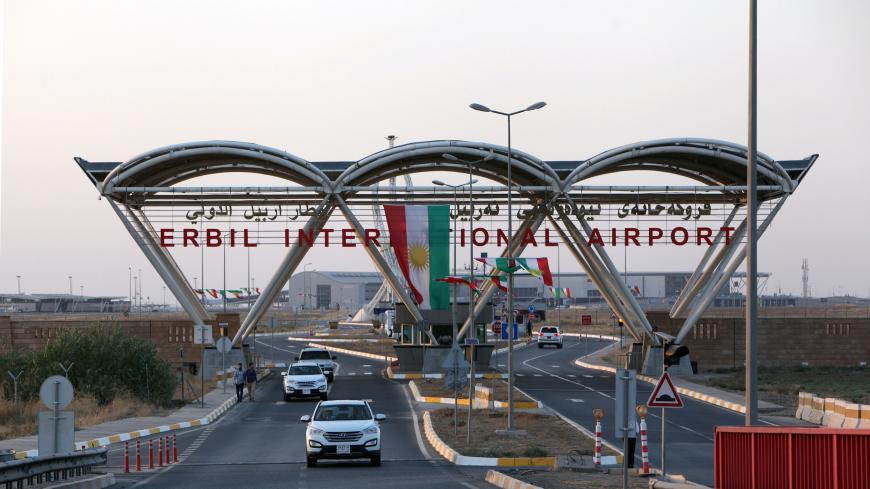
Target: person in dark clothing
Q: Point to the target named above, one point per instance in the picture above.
(251, 381)
(239, 381)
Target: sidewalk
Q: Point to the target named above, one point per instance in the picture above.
(215, 403)
(729, 400)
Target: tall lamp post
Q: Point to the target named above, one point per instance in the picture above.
(304, 286)
(510, 257)
(70, 284)
(751, 379)
(19, 283)
(130, 280)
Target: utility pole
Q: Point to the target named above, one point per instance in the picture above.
(751, 379)
(19, 283)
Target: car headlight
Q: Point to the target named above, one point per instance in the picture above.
(371, 431)
(315, 431)
(314, 444)
(372, 442)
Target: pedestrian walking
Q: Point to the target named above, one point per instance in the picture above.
(239, 381)
(632, 443)
(251, 381)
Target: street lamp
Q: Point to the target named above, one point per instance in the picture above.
(70, 284)
(19, 283)
(510, 292)
(130, 283)
(304, 286)
(455, 239)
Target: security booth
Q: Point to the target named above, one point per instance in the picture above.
(416, 351)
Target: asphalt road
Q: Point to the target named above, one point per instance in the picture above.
(550, 375)
(261, 444)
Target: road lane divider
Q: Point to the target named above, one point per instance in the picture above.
(132, 435)
(458, 459)
(354, 353)
(479, 402)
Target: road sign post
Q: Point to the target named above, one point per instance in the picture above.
(664, 396)
(224, 345)
(471, 342)
(455, 368)
(56, 427)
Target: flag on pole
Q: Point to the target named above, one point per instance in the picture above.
(454, 279)
(537, 267)
(561, 292)
(500, 282)
(420, 237)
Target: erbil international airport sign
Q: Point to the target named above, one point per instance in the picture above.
(681, 227)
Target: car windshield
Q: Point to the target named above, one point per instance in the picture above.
(304, 370)
(314, 355)
(549, 330)
(342, 412)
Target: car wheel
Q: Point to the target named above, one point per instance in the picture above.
(559, 345)
(323, 397)
(540, 345)
(376, 460)
(286, 397)
(311, 461)
(330, 377)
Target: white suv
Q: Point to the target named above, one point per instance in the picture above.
(343, 430)
(549, 335)
(303, 379)
(320, 356)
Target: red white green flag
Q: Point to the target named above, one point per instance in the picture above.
(500, 282)
(454, 279)
(537, 267)
(561, 292)
(420, 237)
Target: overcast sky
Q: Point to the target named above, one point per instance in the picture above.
(107, 80)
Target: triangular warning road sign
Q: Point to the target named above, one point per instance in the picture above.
(665, 395)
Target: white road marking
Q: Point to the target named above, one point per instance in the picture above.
(554, 366)
(536, 375)
(576, 400)
(588, 376)
(605, 395)
(367, 366)
(572, 376)
(420, 444)
(367, 373)
(520, 375)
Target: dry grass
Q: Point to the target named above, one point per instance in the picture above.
(436, 388)
(21, 419)
(546, 436)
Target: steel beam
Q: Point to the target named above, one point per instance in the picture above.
(721, 279)
(532, 222)
(159, 266)
(381, 264)
(613, 302)
(695, 282)
(291, 261)
(607, 266)
(171, 264)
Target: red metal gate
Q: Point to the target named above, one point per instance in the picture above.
(791, 458)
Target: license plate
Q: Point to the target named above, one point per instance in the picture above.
(306, 391)
(342, 449)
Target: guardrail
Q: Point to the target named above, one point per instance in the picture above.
(37, 470)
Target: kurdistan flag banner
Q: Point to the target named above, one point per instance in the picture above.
(561, 292)
(420, 237)
(537, 267)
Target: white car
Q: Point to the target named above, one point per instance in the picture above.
(343, 430)
(304, 379)
(320, 356)
(549, 335)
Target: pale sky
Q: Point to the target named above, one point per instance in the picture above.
(108, 80)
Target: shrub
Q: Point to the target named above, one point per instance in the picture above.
(107, 362)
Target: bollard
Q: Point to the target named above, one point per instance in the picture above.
(168, 460)
(151, 453)
(126, 457)
(174, 448)
(138, 457)
(160, 451)
(644, 448)
(598, 413)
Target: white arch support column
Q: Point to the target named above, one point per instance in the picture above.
(171, 264)
(600, 260)
(615, 304)
(291, 261)
(149, 248)
(382, 265)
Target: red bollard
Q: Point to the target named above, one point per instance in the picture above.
(151, 453)
(166, 443)
(160, 451)
(138, 457)
(174, 448)
(126, 457)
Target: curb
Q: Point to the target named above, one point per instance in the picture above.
(117, 438)
(498, 479)
(458, 459)
(415, 392)
(99, 482)
(352, 352)
(698, 396)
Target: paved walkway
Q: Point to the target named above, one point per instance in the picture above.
(187, 413)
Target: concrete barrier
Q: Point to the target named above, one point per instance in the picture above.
(805, 404)
(853, 415)
(498, 479)
(834, 413)
(864, 424)
(817, 410)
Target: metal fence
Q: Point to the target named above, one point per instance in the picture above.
(38, 470)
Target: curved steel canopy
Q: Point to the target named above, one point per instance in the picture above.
(708, 161)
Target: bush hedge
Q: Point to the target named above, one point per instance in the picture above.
(107, 361)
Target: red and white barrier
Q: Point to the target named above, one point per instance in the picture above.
(644, 448)
(597, 456)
